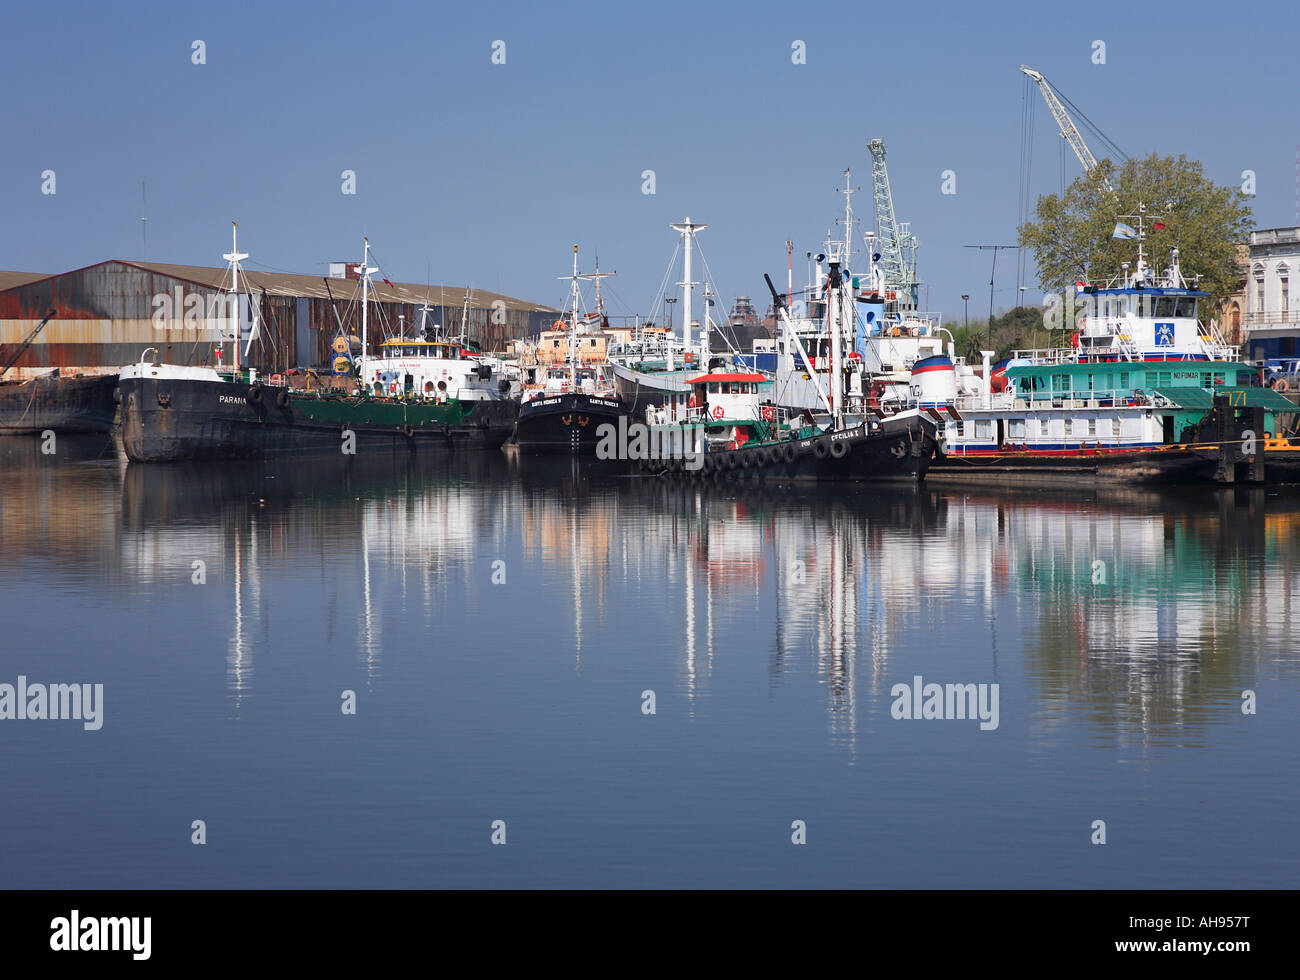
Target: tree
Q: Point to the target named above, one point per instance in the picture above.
(1019, 328)
(1072, 236)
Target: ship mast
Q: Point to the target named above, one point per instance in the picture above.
(574, 298)
(598, 276)
(234, 257)
(364, 270)
(688, 229)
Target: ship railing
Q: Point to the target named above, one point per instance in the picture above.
(1094, 399)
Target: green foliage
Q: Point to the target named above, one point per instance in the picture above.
(1071, 236)
(1020, 328)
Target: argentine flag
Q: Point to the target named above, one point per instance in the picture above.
(1124, 231)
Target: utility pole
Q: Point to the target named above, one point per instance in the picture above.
(992, 275)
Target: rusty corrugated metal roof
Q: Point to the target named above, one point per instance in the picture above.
(8, 280)
(291, 284)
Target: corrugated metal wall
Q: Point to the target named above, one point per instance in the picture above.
(105, 318)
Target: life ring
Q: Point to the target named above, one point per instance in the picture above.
(769, 412)
(1074, 341)
(691, 402)
(559, 325)
(1280, 384)
(718, 411)
(277, 379)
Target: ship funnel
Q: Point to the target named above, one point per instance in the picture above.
(934, 381)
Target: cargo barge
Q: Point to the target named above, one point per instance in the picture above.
(58, 404)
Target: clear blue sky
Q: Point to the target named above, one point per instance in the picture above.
(482, 174)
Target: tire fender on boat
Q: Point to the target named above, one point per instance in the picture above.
(820, 449)
(839, 448)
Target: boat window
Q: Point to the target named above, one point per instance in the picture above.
(1016, 429)
(1164, 307)
(984, 430)
(1187, 307)
(1092, 427)
(1123, 379)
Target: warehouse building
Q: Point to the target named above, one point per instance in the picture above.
(106, 315)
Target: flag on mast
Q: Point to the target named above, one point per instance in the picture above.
(1124, 231)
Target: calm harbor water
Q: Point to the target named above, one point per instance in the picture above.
(500, 619)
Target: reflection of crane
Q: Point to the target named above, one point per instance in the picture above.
(1069, 131)
(897, 243)
(25, 344)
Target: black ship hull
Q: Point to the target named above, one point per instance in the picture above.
(167, 420)
(897, 450)
(1162, 465)
(61, 405)
(566, 423)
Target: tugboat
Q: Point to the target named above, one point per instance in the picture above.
(563, 414)
(419, 395)
(747, 433)
(51, 402)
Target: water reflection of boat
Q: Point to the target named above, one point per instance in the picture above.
(1133, 612)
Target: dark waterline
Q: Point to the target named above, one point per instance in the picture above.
(1119, 700)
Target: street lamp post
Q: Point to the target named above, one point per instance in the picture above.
(965, 298)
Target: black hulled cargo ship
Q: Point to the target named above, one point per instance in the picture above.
(168, 415)
(566, 423)
(564, 411)
(426, 394)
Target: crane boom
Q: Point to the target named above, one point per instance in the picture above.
(1063, 121)
(896, 242)
(27, 342)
